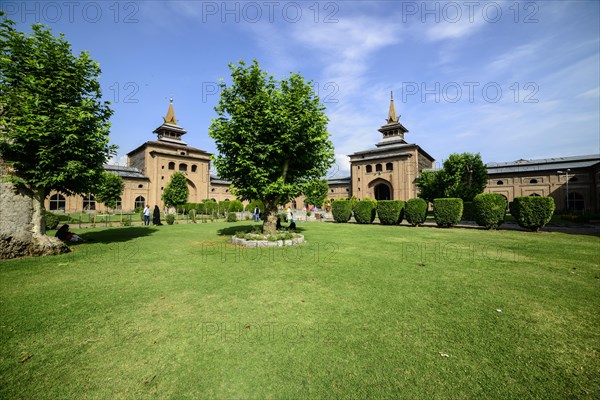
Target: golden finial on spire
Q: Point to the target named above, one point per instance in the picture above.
(392, 117)
(170, 118)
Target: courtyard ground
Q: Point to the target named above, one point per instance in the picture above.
(358, 311)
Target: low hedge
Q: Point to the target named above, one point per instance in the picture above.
(341, 210)
(364, 211)
(490, 210)
(390, 212)
(468, 211)
(447, 212)
(532, 212)
(415, 211)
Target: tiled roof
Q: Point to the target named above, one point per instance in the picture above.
(543, 164)
(215, 179)
(125, 172)
(339, 181)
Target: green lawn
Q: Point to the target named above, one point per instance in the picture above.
(358, 311)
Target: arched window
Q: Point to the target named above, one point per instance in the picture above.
(89, 202)
(171, 165)
(369, 168)
(389, 166)
(194, 168)
(499, 183)
(378, 168)
(534, 195)
(576, 201)
(140, 186)
(140, 202)
(183, 167)
(533, 181)
(331, 190)
(57, 202)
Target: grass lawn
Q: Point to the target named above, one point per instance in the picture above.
(358, 311)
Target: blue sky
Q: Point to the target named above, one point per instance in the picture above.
(506, 79)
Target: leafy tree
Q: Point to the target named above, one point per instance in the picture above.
(316, 192)
(110, 189)
(176, 192)
(271, 136)
(54, 126)
(465, 176)
(431, 185)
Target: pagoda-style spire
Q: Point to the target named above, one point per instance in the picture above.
(170, 118)
(169, 131)
(393, 131)
(392, 117)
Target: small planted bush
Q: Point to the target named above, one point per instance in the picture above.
(231, 217)
(170, 219)
(490, 210)
(125, 221)
(364, 211)
(341, 210)
(532, 212)
(447, 211)
(390, 212)
(415, 211)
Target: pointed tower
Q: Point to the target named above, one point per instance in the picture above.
(169, 131)
(393, 130)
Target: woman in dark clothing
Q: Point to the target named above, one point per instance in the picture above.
(156, 216)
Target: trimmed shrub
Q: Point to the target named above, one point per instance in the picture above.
(447, 211)
(170, 219)
(231, 217)
(415, 211)
(341, 210)
(468, 211)
(125, 221)
(532, 212)
(236, 206)
(390, 212)
(192, 215)
(490, 210)
(364, 211)
(52, 221)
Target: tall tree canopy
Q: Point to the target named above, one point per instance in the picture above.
(316, 192)
(464, 176)
(110, 189)
(54, 126)
(271, 136)
(176, 192)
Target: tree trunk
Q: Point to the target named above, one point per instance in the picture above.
(270, 218)
(22, 225)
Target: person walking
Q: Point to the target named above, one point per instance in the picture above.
(256, 215)
(147, 215)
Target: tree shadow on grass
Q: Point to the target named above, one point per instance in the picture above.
(114, 235)
(232, 230)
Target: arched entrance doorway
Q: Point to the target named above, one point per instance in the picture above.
(383, 192)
